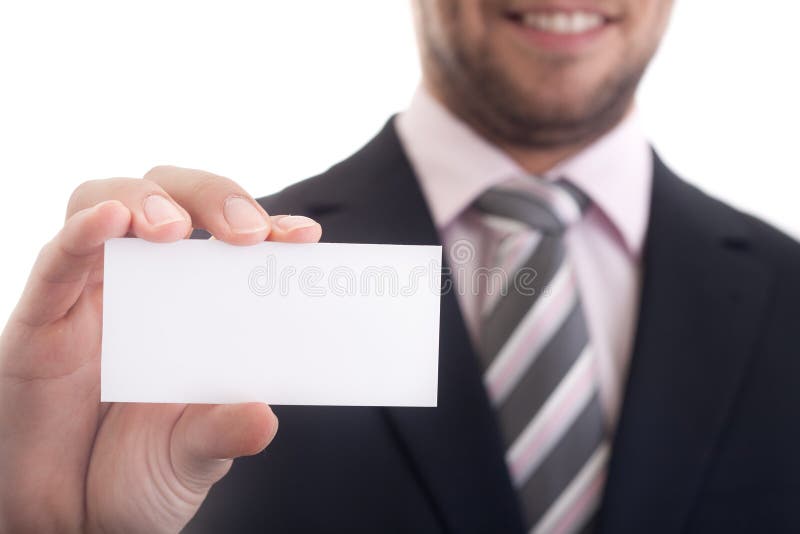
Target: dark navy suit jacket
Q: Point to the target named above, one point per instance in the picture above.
(709, 434)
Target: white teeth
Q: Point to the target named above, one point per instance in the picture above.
(563, 22)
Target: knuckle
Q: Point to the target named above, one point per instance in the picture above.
(206, 184)
(158, 171)
(213, 187)
(93, 192)
(77, 198)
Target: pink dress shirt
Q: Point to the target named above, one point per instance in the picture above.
(455, 165)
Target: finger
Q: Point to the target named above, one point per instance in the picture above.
(294, 229)
(60, 272)
(155, 216)
(206, 437)
(216, 204)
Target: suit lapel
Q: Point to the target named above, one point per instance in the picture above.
(456, 447)
(454, 450)
(702, 297)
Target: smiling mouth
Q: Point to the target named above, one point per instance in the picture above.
(565, 30)
(560, 22)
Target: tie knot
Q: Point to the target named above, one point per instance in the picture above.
(551, 208)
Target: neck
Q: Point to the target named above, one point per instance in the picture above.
(537, 159)
(541, 160)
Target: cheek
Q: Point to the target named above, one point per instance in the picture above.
(646, 23)
(469, 28)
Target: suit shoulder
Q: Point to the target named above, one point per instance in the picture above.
(693, 208)
(345, 180)
(766, 244)
(773, 245)
(295, 198)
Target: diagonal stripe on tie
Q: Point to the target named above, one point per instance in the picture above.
(510, 309)
(541, 378)
(574, 511)
(547, 427)
(539, 370)
(531, 335)
(564, 462)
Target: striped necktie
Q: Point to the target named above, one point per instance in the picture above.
(539, 370)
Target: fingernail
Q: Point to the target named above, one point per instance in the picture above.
(274, 427)
(293, 222)
(243, 217)
(160, 211)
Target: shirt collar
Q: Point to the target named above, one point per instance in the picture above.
(616, 172)
(455, 165)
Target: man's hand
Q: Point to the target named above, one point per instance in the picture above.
(69, 463)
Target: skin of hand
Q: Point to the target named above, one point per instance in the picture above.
(69, 463)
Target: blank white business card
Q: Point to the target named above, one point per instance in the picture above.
(320, 324)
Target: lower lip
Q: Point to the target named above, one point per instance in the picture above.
(558, 42)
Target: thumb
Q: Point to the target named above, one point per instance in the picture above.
(206, 438)
(60, 272)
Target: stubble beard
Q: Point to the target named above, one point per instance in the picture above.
(476, 88)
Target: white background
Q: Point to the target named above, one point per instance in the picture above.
(268, 93)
